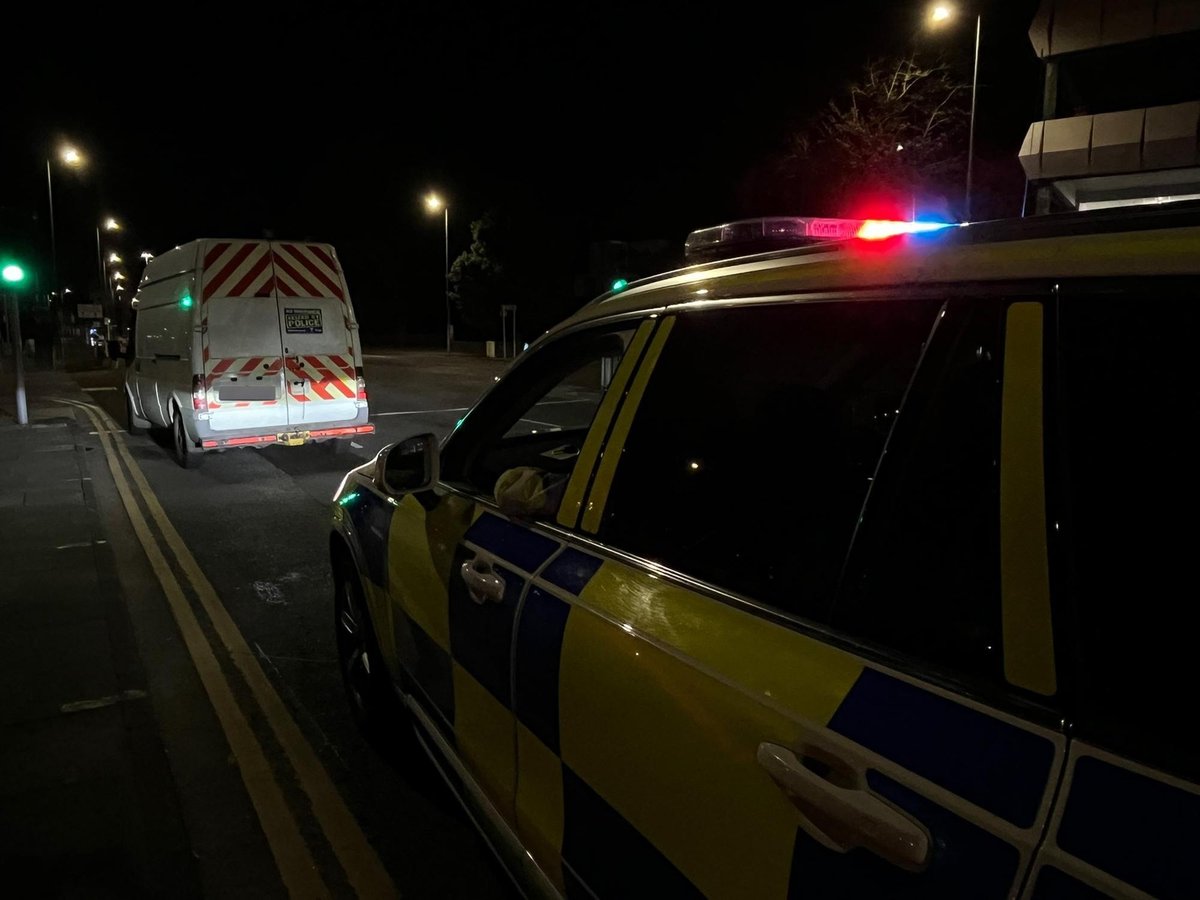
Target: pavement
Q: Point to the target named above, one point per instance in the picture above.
(172, 719)
(87, 802)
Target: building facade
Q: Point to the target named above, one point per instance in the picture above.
(1121, 105)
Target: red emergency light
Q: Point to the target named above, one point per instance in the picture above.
(788, 232)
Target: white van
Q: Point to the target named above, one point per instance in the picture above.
(242, 343)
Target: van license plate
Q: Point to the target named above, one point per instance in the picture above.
(293, 438)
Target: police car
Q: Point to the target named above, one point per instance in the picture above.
(855, 569)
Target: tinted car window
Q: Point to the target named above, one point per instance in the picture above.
(537, 417)
(756, 440)
(925, 572)
(1131, 413)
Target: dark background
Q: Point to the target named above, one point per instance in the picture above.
(330, 121)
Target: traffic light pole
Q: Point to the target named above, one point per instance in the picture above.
(14, 329)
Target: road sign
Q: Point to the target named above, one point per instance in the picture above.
(89, 311)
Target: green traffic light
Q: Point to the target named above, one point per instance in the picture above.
(13, 274)
(620, 284)
(186, 301)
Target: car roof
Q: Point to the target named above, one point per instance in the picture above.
(1078, 245)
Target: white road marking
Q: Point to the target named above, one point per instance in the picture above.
(269, 593)
(420, 412)
(101, 702)
(430, 412)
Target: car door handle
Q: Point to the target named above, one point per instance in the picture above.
(843, 818)
(483, 584)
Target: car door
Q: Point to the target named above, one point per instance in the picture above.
(1129, 808)
(724, 725)
(461, 556)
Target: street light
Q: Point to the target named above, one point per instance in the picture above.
(434, 204)
(109, 224)
(941, 14)
(113, 258)
(118, 276)
(146, 256)
(71, 157)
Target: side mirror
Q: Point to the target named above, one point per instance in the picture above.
(411, 465)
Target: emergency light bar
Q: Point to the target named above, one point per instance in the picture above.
(787, 232)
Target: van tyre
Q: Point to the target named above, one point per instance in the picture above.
(133, 424)
(187, 454)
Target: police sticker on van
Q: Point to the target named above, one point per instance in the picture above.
(301, 321)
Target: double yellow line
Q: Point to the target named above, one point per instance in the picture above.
(297, 868)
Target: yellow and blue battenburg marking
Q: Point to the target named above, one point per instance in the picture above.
(613, 717)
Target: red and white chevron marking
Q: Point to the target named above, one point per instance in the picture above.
(237, 269)
(242, 367)
(325, 378)
(307, 270)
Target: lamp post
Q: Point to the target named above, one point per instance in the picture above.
(433, 204)
(14, 277)
(941, 14)
(71, 157)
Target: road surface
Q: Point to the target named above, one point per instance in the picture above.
(254, 523)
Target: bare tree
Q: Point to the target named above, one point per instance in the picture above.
(899, 131)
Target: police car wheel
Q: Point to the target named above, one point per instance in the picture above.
(130, 419)
(358, 653)
(187, 455)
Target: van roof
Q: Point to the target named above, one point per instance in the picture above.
(186, 257)
(1071, 246)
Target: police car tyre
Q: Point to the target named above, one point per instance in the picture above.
(131, 421)
(186, 454)
(359, 659)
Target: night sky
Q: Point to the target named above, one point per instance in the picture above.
(597, 122)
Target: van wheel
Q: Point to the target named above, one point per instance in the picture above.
(131, 421)
(185, 452)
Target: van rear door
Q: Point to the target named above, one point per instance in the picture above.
(315, 317)
(241, 338)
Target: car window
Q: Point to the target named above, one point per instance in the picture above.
(527, 433)
(1130, 417)
(924, 575)
(756, 440)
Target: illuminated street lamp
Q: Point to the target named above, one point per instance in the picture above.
(118, 276)
(941, 14)
(113, 258)
(70, 157)
(433, 205)
(109, 224)
(146, 256)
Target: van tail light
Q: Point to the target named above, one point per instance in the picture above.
(362, 383)
(199, 395)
